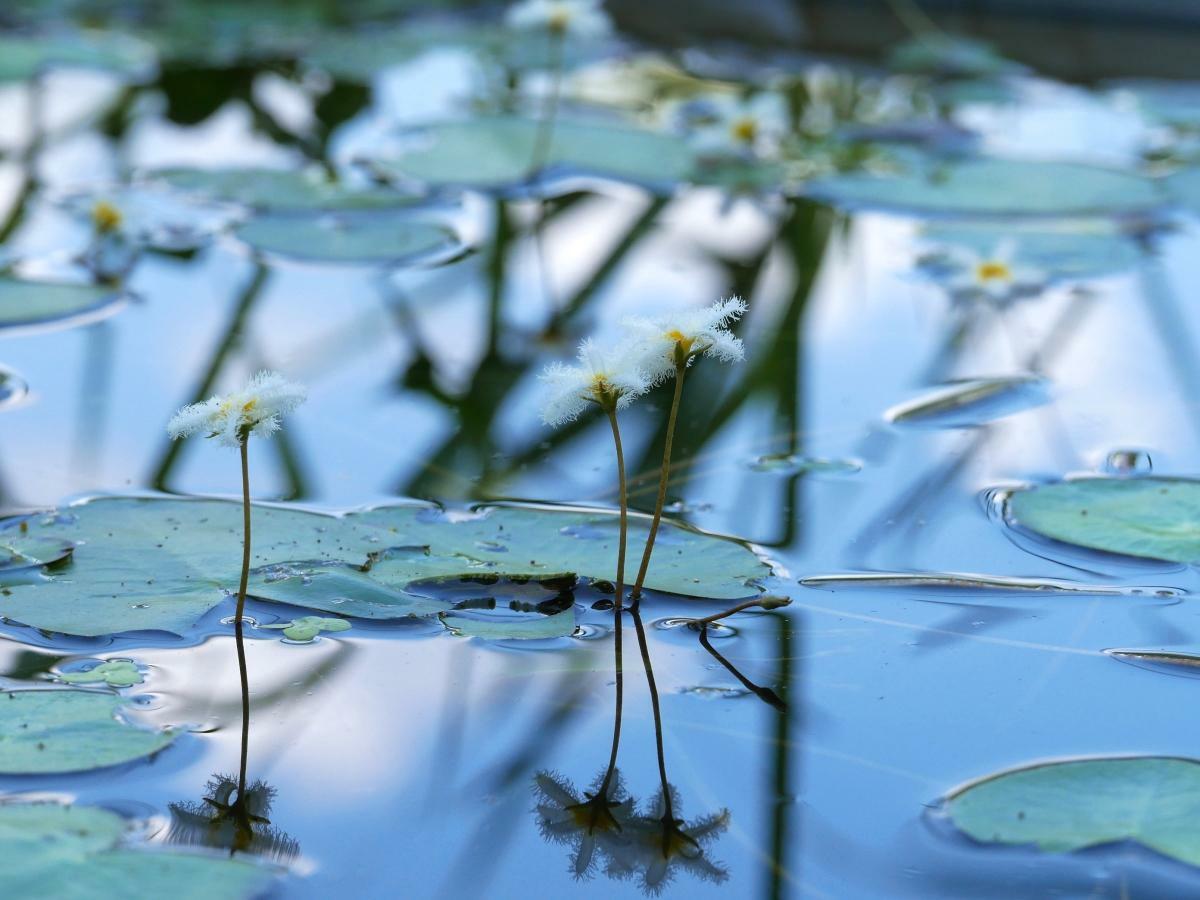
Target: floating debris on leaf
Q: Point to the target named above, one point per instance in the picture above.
(971, 402)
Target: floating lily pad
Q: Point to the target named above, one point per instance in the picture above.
(113, 672)
(26, 56)
(357, 239)
(1155, 518)
(971, 402)
(1184, 188)
(505, 625)
(1067, 249)
(45, 731)
(55, 850)
(27, 303)
(161, 564)
(1061, 807)
(277, 190)
(13, 389)
(306, 628)
(498, 152)
(994, 187)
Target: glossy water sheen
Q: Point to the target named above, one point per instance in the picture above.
(403, 757)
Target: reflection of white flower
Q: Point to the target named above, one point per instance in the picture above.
(730, 126)
(255, 409)
(658, 844)
(576, 18)
(676, 339)
(590, 823)
(993, 276)
(610, 377)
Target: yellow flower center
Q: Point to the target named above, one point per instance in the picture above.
(683, 342)
(744, 129)
(105, 217)
(559, 19)
(993, 270)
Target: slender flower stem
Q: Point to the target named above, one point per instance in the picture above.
(635, 595)
(768, 602)
(618, 602)
(237, 625)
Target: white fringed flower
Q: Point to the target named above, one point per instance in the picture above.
(609, 377)
(574, 18)
(995, 276)
(255, 409)
(731, 126)
(667, 342)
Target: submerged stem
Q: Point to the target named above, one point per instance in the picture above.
(237, 625)
(617, 604)
(635, 595)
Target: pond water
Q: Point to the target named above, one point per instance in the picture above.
(867, 448)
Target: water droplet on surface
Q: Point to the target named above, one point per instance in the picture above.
(589, 632)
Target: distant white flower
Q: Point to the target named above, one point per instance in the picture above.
(994, 276)
(669, 341)
(609, 377)
(255, 409)
(574, 18)
(106, 217)
(731, 126)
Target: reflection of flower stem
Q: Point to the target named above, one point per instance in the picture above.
(635, 596)
(541, 151)
(237, 625)
(668, 818)
(618, 602)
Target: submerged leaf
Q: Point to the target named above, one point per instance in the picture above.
(507, 626)
(1155, 518)
(1066, 806)
(113, 672)
(162, 563)
(69, 731)
(55, 850)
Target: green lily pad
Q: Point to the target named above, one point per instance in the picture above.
(1061, 249)
(1154, 518)
(308, 627)
(162, 563)
(1184, 188)
(357, 239)
(55, 850)
(529, 627)
(113, 672)
(27, 303)
(277, 190)
(26, 56)
(1061, 807)
(44, 731)
(493, 153)
(994, 187)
